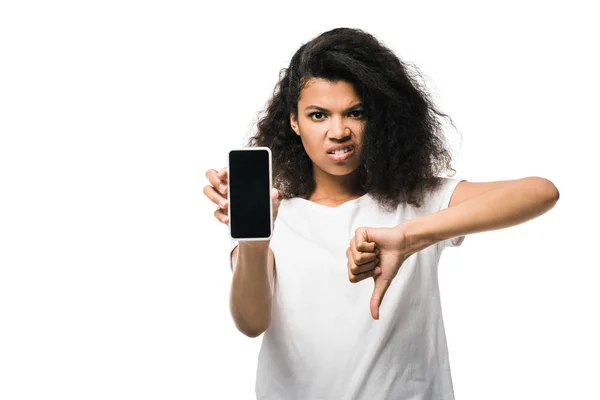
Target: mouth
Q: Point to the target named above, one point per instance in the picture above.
(342, 154)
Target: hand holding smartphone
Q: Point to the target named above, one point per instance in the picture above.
(249, 194)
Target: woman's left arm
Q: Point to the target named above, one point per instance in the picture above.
(511, 204)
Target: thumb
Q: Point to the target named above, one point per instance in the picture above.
(381, 286)
(276, 200)
(275, 194)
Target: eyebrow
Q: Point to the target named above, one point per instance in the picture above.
(322, 109)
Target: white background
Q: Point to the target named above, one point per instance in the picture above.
(114, 278)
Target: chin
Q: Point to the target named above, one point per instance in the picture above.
(339, 170)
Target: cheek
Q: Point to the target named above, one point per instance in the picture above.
(307, 126)
(358, 127)
(310, 135)
(310, 145)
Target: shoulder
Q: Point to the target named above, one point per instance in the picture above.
(439, 192)
(465, 190)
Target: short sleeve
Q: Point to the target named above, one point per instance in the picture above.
(445, 192)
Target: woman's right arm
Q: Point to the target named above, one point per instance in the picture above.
(251, 294)
(253, 264)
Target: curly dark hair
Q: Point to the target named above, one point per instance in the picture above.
(403, 150)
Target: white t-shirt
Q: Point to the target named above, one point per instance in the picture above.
(322, 342)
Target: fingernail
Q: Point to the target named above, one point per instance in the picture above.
(222, 188)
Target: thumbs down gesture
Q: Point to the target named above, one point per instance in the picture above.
(377, 253)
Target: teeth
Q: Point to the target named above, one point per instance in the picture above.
(342, 151)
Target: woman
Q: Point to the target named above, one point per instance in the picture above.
(357, 153)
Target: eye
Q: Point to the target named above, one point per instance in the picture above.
(358, 114)
(317, 115)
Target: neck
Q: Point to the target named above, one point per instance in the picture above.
(335, 187)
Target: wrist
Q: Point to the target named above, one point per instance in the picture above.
(415, 236)
(254, 244)
(252, 255)
(254, 249)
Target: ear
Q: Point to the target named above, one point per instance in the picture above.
(294, 124)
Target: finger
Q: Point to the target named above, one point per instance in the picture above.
(363, 257)
(361, 241)
(222, 216)
(223, 175)
(363, 267)
(216, 197)
(215, 180)
(381, 286)
(210, 174)
(275, 195)
(355, 278)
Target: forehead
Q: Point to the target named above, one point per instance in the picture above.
(327, 93)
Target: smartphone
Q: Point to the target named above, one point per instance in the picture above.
(249, 193)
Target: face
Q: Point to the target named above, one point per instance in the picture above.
(330, 114)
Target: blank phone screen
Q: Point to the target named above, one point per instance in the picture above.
(249, 194)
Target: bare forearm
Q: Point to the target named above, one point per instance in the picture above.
(509, 205)
(251, 294)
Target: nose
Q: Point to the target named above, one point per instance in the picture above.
(337, 128)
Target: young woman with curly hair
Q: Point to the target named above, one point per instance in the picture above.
(358, 153)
